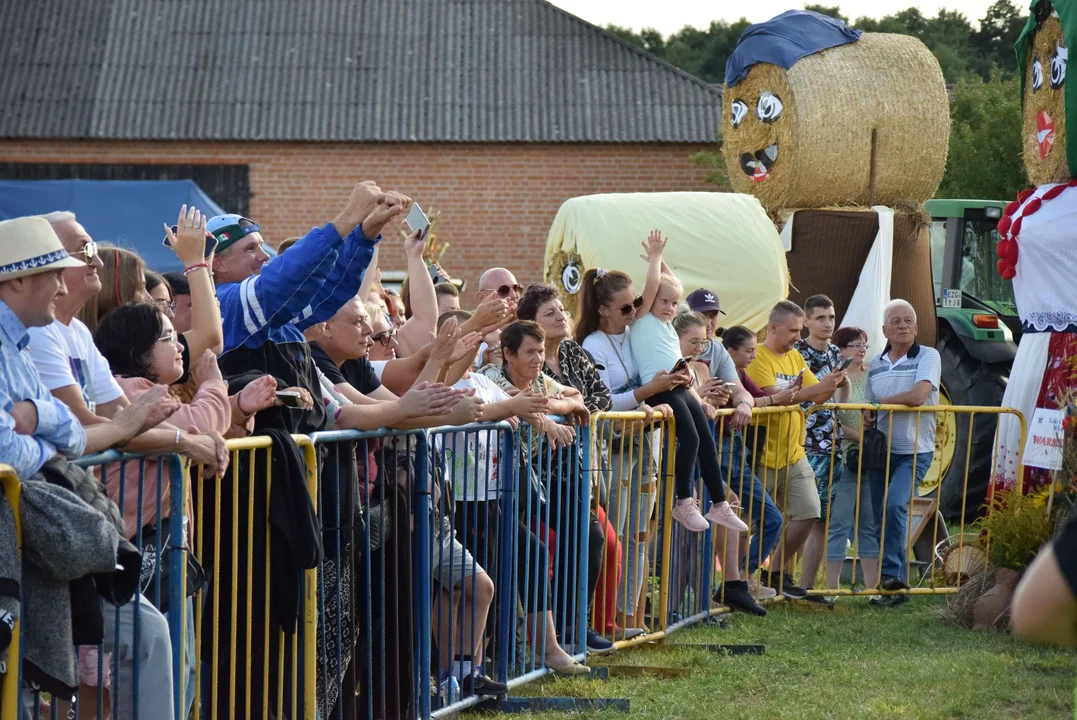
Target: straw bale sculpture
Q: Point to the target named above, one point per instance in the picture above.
(1038, 233)
(806, 98)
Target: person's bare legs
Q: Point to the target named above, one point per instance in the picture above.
(478, 596)
(814, 549)
(445, 613)
(555, 655)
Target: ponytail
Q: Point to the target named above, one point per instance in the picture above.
(596, 289)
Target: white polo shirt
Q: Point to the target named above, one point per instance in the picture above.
(887, 378)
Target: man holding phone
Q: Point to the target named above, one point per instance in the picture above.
(786, 472)
(823, 432)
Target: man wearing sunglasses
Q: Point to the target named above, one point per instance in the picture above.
(501, 283)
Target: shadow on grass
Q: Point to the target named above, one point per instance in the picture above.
(870, 663)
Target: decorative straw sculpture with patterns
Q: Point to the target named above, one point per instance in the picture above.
(1038, 233)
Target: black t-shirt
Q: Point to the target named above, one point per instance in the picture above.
(357, 373)
(1065, 547)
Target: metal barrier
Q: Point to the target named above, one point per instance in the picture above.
(632, 486)
(510, 541)
(255, 657)
(371, 587)
(10, 673)
(902, 531)
(133, 670)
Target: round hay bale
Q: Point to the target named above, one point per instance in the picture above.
(1044, 114)
(816, 151)
(724, 242)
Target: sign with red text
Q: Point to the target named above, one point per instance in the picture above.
(1043, 449)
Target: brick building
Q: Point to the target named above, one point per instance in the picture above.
(491, 111)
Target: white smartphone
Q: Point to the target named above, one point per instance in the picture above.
(417, 220)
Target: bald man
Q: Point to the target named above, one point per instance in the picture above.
(496, 282)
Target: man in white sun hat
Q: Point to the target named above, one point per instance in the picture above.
(34, 425)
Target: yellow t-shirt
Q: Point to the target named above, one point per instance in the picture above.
(785, 431)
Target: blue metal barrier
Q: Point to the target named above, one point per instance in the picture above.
(373, 504)
(129, 694)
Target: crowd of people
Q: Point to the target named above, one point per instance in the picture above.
(100, 352)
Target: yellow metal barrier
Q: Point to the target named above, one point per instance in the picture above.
(252, 697)
(9, 690)
(943, 564)
(625, 456)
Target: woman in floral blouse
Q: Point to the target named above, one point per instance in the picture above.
(571, 365)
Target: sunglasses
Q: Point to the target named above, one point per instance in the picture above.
(87, 252)
(505, 290)
(630, 308)
(385, 338)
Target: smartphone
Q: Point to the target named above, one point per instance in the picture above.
(435, 277)
(680, 365)
(799, 382)
(729, 385)
(845, 364)
(211, 242)
(417, 220)
(288, 398)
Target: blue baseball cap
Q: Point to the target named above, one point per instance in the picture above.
(229, 229)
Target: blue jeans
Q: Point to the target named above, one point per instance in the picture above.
(765, 515)
(896, 506)
(843, 514)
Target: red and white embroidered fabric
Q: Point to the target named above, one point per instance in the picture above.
(1040, 229)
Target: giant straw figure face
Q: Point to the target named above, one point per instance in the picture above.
(1044, 129)
(757, 129)
(802, 137)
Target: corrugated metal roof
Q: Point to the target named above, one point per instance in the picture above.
(351, 70)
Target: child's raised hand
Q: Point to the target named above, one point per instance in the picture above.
(654, 246)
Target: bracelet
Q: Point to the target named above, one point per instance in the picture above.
(239, 406)
(177, 438)
(191, 268)
(745, 402)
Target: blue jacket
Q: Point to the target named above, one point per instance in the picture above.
(265, 315)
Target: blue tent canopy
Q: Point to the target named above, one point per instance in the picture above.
(784, 39)
(126, 213)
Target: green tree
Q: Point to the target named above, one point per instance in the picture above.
(834, 12)
(985, 141)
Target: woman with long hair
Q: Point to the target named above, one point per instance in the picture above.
(608, 305)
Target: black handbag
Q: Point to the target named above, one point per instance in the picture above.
(196, 574)
(872, 448)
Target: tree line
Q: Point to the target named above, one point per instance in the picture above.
(978, 61)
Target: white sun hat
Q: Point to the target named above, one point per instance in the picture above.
(28, 245)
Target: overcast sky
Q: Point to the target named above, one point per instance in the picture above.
(668, 16)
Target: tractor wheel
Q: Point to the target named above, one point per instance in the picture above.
(967, 381)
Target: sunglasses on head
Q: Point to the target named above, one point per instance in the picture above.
(385, 338)
(632, 307)
(505, 290)
(87, 252)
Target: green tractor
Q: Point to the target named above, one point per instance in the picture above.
(978, 331)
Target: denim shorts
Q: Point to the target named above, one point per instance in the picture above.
(820, 466)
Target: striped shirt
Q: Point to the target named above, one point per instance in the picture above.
(57, 429)
(887, 378)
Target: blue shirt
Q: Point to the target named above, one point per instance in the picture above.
(655, 346)
(57, 428)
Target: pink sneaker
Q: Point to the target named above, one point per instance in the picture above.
(687, 514)
(722, 514)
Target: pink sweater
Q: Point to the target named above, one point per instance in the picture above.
(209, 410)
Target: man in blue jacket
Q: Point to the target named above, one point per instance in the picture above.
(267, 304)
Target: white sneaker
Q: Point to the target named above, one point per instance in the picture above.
(722, 514)
(761, 591)
(687, 514)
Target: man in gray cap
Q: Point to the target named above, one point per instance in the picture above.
(705, 302)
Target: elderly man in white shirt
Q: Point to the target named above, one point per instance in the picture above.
(906, 373)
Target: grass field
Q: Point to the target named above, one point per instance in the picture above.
(862, 663)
